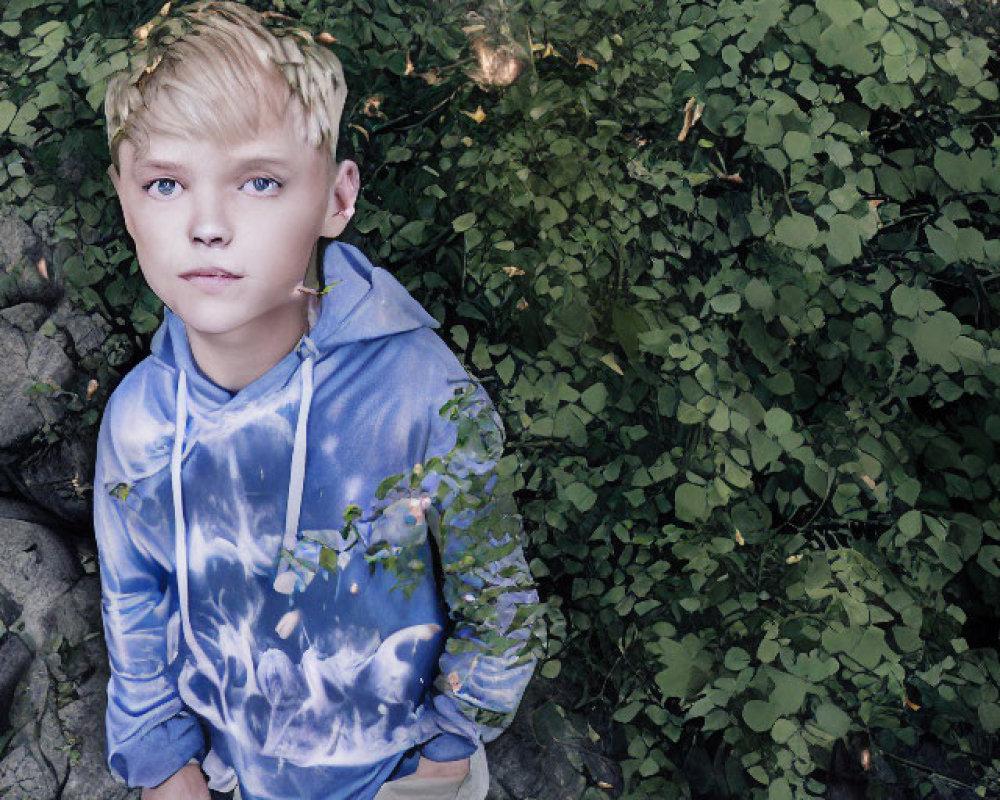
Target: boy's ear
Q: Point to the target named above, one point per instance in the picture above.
(343, 196)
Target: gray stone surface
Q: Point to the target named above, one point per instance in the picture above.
(27, 359)
(39, 567)
(87, 332)
(57, 651)
(15, 658)
(27, 317)
(59, 476)
(17, 240)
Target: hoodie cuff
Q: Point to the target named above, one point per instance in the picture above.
(447, 747)
(159, 753)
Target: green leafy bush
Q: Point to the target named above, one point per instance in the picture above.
(729, 270)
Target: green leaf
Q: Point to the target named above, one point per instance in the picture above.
(783, 730)
(843, 240)
(797, 231)
(628, 712)
(989, 717)
(832, 720)
(464, 222)
(7, 113)
(758, 294)
(932, 339)
(910, 524)
(691, 503)
(581, 495)
(594, 398)
(841, 12)
(505, 370)
(797, 145)
(759, 715)
(905, 301)
(726, 303)
(778, 421)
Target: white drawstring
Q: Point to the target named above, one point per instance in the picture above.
(297, 476)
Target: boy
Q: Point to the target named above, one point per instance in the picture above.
(253, 638)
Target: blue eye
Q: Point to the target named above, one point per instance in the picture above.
(263, 185)
(162, 187)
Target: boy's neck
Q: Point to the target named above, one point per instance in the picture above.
(235, 359)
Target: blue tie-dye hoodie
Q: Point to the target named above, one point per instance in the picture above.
(244, 628)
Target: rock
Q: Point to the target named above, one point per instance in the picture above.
(20, 251)
(83, 726)
(16, 508)
(28, 359)
(17, 241)
(47, 361)
(87, 332)
(59, 477)
(33, 350)
(38, 569)
(38, 762)
(15, 658)
(56, 651)
(28, 317)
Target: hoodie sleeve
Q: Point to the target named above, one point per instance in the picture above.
(489, 657)
(150, 735)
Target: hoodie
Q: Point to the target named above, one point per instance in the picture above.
(248, 625)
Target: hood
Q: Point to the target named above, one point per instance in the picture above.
(363, 303)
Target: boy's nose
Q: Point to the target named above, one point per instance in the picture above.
(210, 224)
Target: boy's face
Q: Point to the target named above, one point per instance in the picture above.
(224, 232)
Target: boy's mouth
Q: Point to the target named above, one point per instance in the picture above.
(211, 272)
(211, 279)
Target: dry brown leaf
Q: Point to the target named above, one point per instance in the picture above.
(326, 38)
(583, 61)
(478, 115)
(431, 77)
(43, 268)
(692, 113)
(513, 271)
(609, 361)
(92, 387)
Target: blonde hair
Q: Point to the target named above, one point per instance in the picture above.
(218, 69)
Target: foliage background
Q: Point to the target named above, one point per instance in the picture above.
(750, 372)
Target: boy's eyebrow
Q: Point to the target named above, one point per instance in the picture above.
(264, 162)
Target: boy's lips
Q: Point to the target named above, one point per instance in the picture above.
(211, 279)
(209, 272)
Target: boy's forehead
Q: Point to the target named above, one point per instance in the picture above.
(277, 144)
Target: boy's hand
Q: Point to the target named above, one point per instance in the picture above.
(441, 769)
(186, 784)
